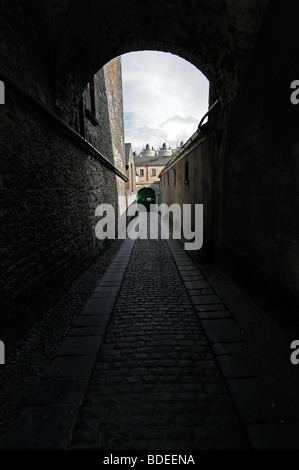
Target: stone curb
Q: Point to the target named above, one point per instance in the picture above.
(265, 407)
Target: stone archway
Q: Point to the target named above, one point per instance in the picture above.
(51, 48)
(146, 196)
(218, 37)
(154, 186)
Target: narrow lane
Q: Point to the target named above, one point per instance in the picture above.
(155, 384)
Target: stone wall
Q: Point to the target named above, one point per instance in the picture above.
(258, 159)
(249, 179)
(200, 187)
(50, 187)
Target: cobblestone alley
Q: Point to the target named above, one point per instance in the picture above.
(157, 361)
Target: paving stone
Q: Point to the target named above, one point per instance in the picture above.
(233, 366)
(185, 267)
(274, 436)
(201, 284)
(194, 291)
(179, 433)
(205, 299)
(196, 278)
(190, 272)
(106, 290)
(88, 331)
(264, 399)
(113, 277)
(107, 297)
(36, 428)
(82, 346)
(104, 283)
(238, 360)
(221, 331)
(119, 268)
(92, 320)
(214, 315)
(53, 391)
(148, 434)
(209, 308)
(207, 291)
(98, 306)
(75, 367)
(192, 284)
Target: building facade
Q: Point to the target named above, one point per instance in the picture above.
(131, 175)
(189, 178)
(149, 165)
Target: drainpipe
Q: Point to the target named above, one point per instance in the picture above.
(207, 113)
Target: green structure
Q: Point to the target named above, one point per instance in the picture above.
(146, 196)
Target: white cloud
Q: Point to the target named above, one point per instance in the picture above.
(164, 98)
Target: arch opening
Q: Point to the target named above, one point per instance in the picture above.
(146, 197)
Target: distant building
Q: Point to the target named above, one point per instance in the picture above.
(149, 165)
(131, 175)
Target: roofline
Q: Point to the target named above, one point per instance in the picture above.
(196, 139)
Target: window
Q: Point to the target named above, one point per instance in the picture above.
(187, 173)
(90, 102)
(141, 173)
(174, 177)
(89, 97)
(81, 118)
(154, 172)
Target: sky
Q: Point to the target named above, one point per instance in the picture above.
(164, 98)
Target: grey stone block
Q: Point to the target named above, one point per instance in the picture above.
(192, 284)
(264, 399)
(92, 320)
(185, 267)
(205, 299)
(201, 284)
(113, 276)
(43, 428)
(196, 277)
(98, 306)
(239, 365)
(74, 367)
(107, 297)
(212, 315)
(88, 330)
(274, 436)
(104, 283)
(52, 391)
(209, 308)
(106, 290)
(226, 330)
(82, 346)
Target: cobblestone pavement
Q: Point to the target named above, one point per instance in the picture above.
(165, 355)
(155, 383)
